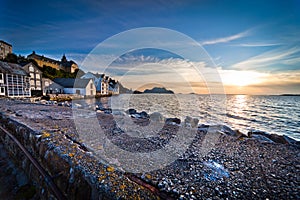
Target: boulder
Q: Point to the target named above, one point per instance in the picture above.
(282, 139)
(262, 138)
(118, 112)
(131, 111)
(108, 111)
(156, 117)
(203, 128)
(144, 115)
(222, 129)
(191, 122)
(228, 131)
(173, 121)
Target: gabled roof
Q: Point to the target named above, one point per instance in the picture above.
(30, 63)
(12, 68)
(72, 82)
(5, 43)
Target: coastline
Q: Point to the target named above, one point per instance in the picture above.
(236, 166)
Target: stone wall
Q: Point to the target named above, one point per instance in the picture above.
(74, 170)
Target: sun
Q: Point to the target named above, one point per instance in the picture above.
(241, 78)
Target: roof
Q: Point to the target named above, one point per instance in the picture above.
(12, 68)
(55, 85)
(72, 82)
(30, 63)
(5, 43)
(39, 57)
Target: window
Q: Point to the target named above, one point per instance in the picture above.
(31, 75)
(2, 90)
(31, 69)
(1, 78)
(37, 76)
(91, 85)
(32, 82)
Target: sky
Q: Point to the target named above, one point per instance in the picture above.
(251, 47)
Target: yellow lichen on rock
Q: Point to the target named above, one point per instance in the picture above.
(148, 176)
(71, 155)
(45, 134)
(122, 187)
(110, 169)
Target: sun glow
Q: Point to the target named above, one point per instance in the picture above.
(241, 78)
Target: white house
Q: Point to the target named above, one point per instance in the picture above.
(84, 87)
(101, 82)
(14, 80)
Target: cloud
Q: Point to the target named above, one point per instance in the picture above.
(242, 78)
(227, 39)
(270, 59)
(258, 44)
(186, 76)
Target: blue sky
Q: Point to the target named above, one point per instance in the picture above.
(251, 37)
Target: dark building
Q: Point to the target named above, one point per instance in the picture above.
(36, 76)
(64, 64)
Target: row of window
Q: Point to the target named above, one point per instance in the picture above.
(37, 76)
(38, 83)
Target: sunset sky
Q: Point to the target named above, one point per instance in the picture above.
(254, 46)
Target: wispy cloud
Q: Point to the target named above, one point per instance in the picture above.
(269, 59)
(257, 44)
(227, 39)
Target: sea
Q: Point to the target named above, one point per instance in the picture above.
(270, 113)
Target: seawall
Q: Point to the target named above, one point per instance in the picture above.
(73, 169)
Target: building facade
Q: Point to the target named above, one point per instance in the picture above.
(5, 49)
(50, 87)
(84, 87)
(64, 64)
(36, 76)
(14, 80)
(104, 84)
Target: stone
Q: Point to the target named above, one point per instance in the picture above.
(173, 121)
(107, 111)
(156, 117)
(191, 122)
(203, 128)
(118, 112)
(144, 115)
(131, 111)
(262, 138)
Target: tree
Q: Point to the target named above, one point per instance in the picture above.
(12, 58)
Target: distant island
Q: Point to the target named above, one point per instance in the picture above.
(290, 95)
(157, 90)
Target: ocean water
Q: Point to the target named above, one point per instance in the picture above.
(272, 114)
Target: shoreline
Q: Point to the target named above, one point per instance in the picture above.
(234, 167)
